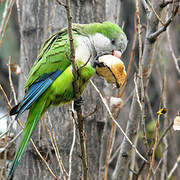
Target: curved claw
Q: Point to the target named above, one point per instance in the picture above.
(96, 62)
(78, 103)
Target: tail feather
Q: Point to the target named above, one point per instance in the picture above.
(14, 110)
(35, 114)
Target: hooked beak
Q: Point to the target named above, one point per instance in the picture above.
(117, 54)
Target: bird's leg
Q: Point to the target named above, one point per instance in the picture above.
(78, 103)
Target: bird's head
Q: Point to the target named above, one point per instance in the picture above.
(108, 37)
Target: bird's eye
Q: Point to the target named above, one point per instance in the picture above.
(113, 41)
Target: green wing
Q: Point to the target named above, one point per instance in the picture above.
(53, 56)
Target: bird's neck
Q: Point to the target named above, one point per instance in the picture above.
(85, 50)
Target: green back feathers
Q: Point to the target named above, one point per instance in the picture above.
(53, 56)
(108, 29)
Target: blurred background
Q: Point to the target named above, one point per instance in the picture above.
(44, 18)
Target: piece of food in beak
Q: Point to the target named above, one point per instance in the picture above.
(112, 69)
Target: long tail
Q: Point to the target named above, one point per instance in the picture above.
(35, 114)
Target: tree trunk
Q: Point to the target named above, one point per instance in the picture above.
(38, 20)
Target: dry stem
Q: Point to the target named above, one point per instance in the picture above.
(54, 144)
(5, 20)
(174, 168)
(110, 114)
(77, 92)
(154, 148)
(72, 146)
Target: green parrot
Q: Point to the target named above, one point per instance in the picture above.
(50, 80)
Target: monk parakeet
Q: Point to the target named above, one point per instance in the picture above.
(50, 80)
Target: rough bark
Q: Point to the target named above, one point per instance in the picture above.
(33, 22)
(135, 111)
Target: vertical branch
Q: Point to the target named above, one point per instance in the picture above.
(116, 104)
(54, 144)
(76, 91)
(174, 167)
(72, 147)
(5, 19)
(10, 81)
(154, 147)
(24, 45)
(135, 111)
(141, 76)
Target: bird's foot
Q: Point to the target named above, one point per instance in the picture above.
(96, 61)
(78, 103)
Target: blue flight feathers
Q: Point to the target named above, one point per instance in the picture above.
(36, 90)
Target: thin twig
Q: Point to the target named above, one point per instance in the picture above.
(165, 141)
(172, 51)
(54, 144)
(22, 35)
(72, 146)
(146, 6)
(153, 36)
(141, 77)
(85, 62)
(157, 16)
(154, 148)
(131, 58)
(5, 97)
(77, 92)
(115, 109)
(61, 4)
(174, 167)
(165, 3)
(137, 94)
(110, 114)
(165, 132)
(10, 81)
(5, 20)
(10, 142)
(149, 106)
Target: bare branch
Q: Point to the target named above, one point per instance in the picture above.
(5, 97)
(157, 16)
(172, 51)
(11, 83)
(61, 4)
(137, 94)
(54, 144)
(154, 147)
(165, 133)
(10, 142)
(131, 58)
(135, 111)
(77, 92)
(22, 35)
(153, 36)
(116, 106)
(165, 3)
(6, 15)
(72, 146)
(174, 168)
(110, 114)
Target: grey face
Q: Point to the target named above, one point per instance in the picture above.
(104, 44)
